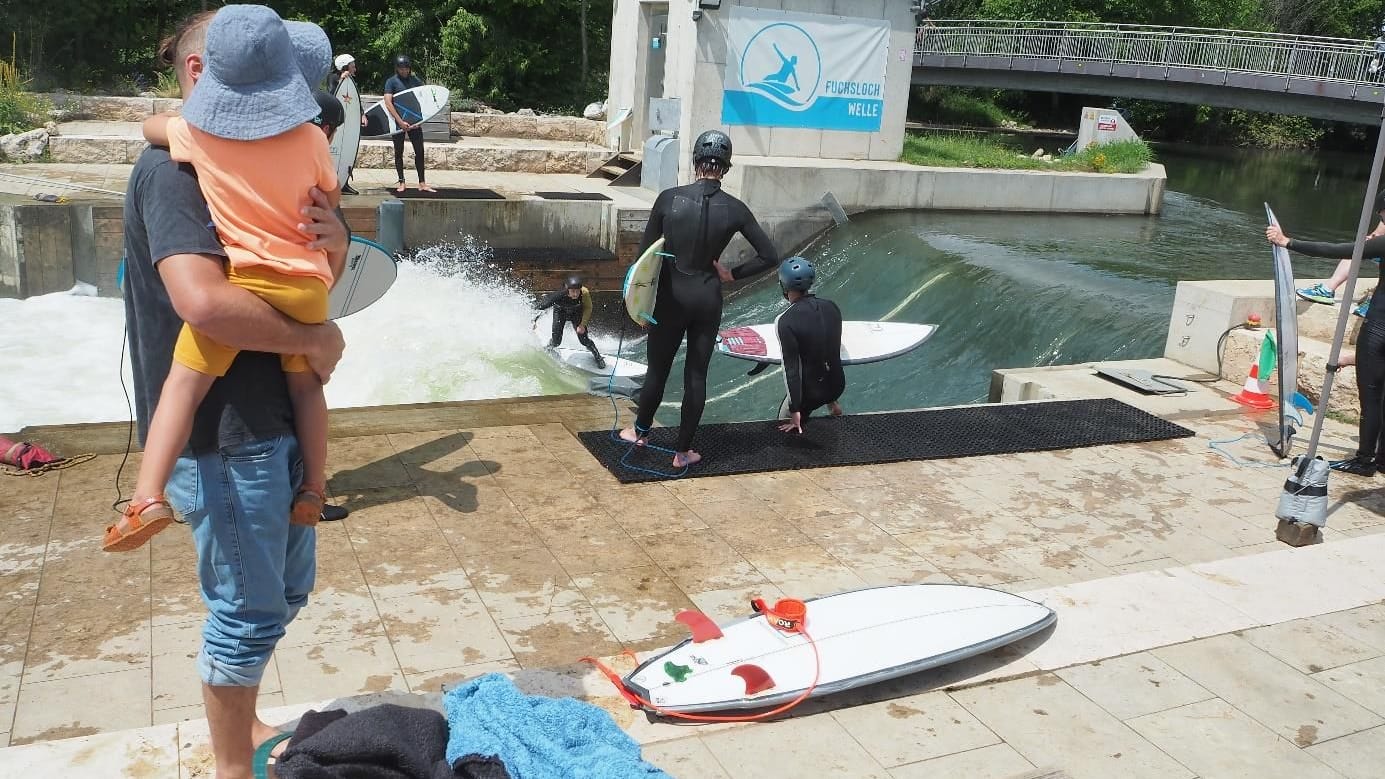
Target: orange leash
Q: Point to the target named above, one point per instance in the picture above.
(788, 615)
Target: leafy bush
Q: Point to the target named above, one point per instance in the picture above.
(19, 111)
(970, 151)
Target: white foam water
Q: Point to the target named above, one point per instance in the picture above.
(453, 327)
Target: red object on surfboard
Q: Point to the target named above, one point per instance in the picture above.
(744, 340)
(25, 456)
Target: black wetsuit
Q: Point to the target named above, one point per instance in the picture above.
(810, 335)
(697, 222)
(393, 86)
(566, 309)
(1370, 345)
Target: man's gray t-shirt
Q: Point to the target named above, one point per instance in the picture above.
(166, 215)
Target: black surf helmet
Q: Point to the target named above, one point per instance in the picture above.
(796, 275)
(713, 145)
(403, 61)
(574, 282)
(330, 112)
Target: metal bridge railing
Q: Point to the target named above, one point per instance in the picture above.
(1270, 54)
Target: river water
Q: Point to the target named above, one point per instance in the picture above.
(1007, 290)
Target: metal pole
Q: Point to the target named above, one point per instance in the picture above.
(1367, 208)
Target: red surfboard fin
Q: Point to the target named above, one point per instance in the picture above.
(757, 679)
(702, 627)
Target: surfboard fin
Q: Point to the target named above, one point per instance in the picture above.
(702, 627)
(757, 679)
(759, 368)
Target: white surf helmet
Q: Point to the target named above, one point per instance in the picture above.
(343, 60)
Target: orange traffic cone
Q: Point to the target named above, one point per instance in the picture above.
(1253, 393)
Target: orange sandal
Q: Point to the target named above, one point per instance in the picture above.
(307, 507)
(141, 521)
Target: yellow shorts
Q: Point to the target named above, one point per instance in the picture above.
(303, 298)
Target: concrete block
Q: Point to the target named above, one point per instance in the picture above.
(888, 143)
(117, 109)
(506, 223)
(711, 38)
(866, 9)
(825, 7)
(10, 281)
(1098, 192)
(163, 105)
(985, 191)
(1297, 533)
(750, 141)
(795, 142)
(839, 145)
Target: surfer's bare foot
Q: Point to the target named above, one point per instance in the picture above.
(424, 187)
(685, 459)
(400, 189)
(835, 408)
(629, 436)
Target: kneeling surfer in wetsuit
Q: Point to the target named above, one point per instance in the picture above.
(697, 222)
(810, 336)
(572, 303)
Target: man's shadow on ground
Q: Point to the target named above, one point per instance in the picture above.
(453, 485)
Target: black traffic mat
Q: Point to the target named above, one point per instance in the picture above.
(931, 434)
(446, 193)
(572, 196)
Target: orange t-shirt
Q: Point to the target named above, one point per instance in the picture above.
(255, 190)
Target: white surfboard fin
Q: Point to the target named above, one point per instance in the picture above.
(702, 627)
(757, 679)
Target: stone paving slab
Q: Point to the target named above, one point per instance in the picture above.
(461, 557)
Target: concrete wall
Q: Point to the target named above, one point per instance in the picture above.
(699, 76)
(786, 194)
(696, 60)
(509, 223)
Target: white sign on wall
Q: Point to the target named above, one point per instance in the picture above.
(810, 71)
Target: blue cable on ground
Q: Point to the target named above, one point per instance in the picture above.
(1216, 447)
(615, 423)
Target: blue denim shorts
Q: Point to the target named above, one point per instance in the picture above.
(255, 569)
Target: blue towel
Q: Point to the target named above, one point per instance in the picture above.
(537, 737)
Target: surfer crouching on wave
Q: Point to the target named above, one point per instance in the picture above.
(697, 222)
(810, 335)
(572, 303)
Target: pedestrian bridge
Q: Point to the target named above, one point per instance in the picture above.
(1324, 78)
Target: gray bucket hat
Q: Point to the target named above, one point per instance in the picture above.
(313, 49)
(252, 87)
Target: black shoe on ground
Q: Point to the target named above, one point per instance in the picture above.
(347, 189)
(1356, 466)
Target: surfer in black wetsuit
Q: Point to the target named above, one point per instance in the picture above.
(1370, 348)
(810, 335)
(572, 303)
(697, 222)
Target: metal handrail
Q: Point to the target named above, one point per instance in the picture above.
(1273, 54)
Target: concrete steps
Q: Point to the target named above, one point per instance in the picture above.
(474, 155)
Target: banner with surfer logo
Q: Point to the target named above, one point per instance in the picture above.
(809, 71)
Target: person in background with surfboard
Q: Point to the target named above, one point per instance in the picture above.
(344, 68)
(403, 79)
(810, 336)
(572, 303)
(697, 222)
(1370, 347)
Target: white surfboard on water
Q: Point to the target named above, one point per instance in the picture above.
(582, 360)
(369, 273)
(863, 636)
(862, 342)
(641, 288)
(346, 143)
(415, 106)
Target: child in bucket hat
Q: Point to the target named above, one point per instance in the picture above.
(247, 129)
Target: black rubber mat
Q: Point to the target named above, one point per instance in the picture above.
(933, 434)
(572, 196)
(446, 193)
